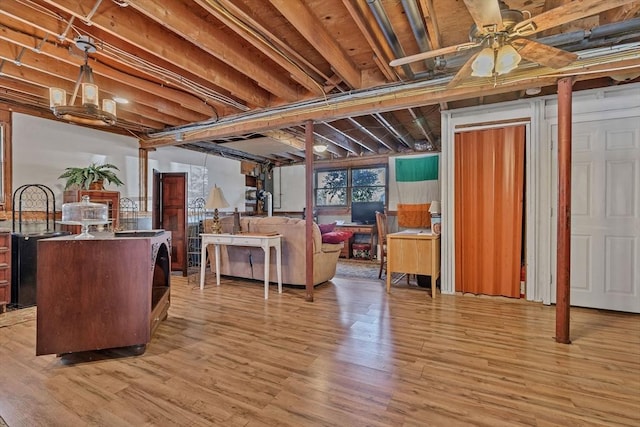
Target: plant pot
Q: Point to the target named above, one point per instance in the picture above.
(97, 185)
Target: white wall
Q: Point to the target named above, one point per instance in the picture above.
(43, 148)
(538, 114)
(289, 188)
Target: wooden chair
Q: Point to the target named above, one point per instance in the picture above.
(381, 224)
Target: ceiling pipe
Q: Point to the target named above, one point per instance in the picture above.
(406, 138)
(368, 132)
(385, 25)
(350, 138)
(422, 124)
(419, 30)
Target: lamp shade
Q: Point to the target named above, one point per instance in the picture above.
(434, 208)
(216, 199)
(507, 59)
(482, 66)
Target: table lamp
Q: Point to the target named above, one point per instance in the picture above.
(216, 201)
(434, 210)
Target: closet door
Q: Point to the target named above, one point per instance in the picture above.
(489, 174)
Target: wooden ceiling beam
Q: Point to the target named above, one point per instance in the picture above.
(133, 28)
(397, 129)
(372, 33)
(377, 131)
(307, 24)
(55, 50)
(238, 20)
(621, 13)
(353, 133)
(334, 136)
(398, 98)
(65, 73)
(180, 17)
(431, 22)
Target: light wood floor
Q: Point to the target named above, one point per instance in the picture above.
(354, 357)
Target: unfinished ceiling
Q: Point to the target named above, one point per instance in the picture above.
(241, 78)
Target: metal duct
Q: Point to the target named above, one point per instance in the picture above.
(385, 25)
(419, 31)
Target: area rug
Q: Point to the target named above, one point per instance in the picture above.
(13, 317)
(358, 269)
(2, 423)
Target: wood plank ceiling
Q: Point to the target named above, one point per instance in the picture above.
(239, 78)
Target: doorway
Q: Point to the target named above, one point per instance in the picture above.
(170, 213)
(489, 209)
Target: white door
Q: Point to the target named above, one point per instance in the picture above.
(605, 214)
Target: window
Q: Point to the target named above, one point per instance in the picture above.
(340, 187)
(369, 185)
(331, 188)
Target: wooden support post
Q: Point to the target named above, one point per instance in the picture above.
(564, 210)
(308, 164)
(143, 178)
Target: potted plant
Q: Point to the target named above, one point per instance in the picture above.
(91, 177)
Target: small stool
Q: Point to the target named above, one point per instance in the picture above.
(361, 250)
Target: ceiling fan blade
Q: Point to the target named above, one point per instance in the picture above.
(486, 15)
(542, 54)
(431, 54)
(463, 73)
(568, 12)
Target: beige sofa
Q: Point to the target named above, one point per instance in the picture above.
(248, 262)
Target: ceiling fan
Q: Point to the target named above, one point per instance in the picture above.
(500, 37)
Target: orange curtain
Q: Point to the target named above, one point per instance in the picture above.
(489, 176)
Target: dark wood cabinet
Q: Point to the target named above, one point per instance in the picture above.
(101, 293)
(5, 269)
(109, 198)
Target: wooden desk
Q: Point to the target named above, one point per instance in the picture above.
(371, 230)
(266, 242)
(414, 253)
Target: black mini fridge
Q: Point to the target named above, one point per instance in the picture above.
(24, 266)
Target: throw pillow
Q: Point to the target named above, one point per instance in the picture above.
(336, 236)
(327, 228)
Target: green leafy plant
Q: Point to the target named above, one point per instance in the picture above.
(84, 177)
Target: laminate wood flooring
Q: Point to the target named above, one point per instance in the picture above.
(354, 357)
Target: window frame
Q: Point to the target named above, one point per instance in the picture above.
(346, 207)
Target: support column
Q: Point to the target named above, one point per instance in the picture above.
(143, 178)
(564, 210)
(308, 167)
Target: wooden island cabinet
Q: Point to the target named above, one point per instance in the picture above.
(106, 292)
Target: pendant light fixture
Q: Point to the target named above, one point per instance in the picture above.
(88, 112)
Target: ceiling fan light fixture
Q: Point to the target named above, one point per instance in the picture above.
(482, 66)
(507, 59)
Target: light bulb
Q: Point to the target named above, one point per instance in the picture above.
(482, 66)
(507, 59)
